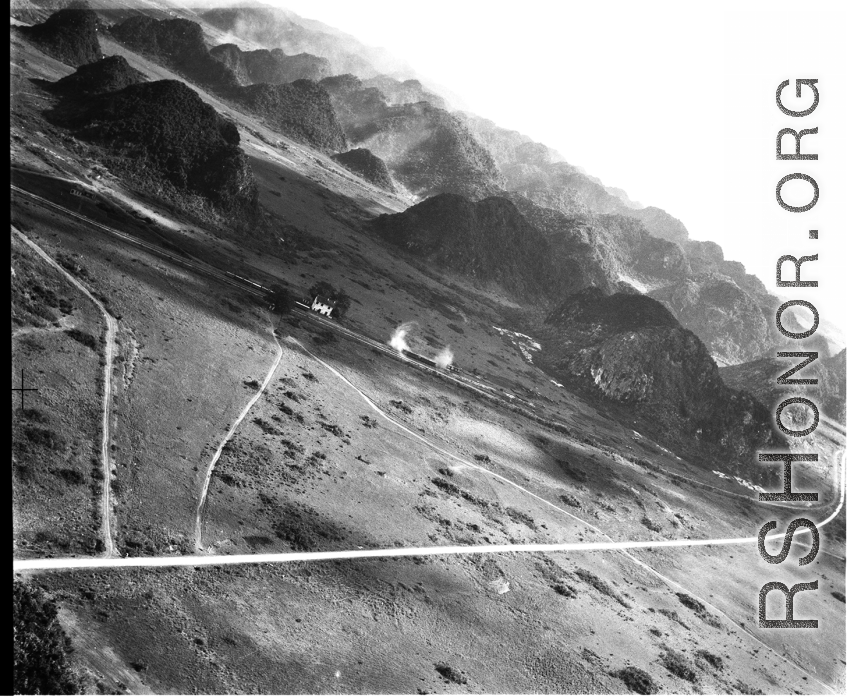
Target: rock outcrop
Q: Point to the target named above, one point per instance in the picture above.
(427, 149)
(728, 319)
(162, 131)
(177, 44)
(488, 241)
(107, 75)
(630, 350)
(759, 378)
(300, 110)
(69, 35)
(272, 67)
(368, 166)
(269, 26)
(404, 92)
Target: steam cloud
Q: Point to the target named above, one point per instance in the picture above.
(445, 358)
(398, 337)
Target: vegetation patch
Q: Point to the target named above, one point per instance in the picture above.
(679, 665)
(451, 674)
(699, 609)
(83, 338)
(601, 585)
(40, 664)
(398, 404)
(521, 517)
(68, 475)
(674, 615)
(574, 473)
(270, 429)
(637, 680)
(704, 656)
(650, 525)
(302, 527)
(570, 500)
(564, 589)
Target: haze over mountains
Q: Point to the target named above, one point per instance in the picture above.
(325, 89)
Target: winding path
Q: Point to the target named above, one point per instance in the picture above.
(198, 523)
(109, 353)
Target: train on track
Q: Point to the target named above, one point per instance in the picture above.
(427, 361)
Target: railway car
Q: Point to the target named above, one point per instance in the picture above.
(426, 361)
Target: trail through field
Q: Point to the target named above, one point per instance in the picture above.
(198, 525)
(109, 352)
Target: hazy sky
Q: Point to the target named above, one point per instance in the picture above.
(671, 101)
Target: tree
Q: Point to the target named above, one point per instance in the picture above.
(322, 288)
(342, 304)
(280, 299)
(40, 665)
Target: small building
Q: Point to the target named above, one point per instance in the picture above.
(323, 306)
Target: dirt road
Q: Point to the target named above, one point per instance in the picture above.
(198, 524)
(109, 352)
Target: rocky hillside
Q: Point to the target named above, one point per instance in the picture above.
(602, 250)
(108, 75)
(488, 241)
(630, 350)
(272, 27)
(542, 174)
(300, 110)
(273, 67)
(368, 166)
(69, 35)
(759, 378)
(163, 132)
(177, 44)
(565, 254)
(729, 320)
(405, 91)
(427, 149)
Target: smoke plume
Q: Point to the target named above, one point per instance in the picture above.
(398, 337)
(445, 358)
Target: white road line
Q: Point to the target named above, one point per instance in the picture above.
(111, 329)
(198, 526)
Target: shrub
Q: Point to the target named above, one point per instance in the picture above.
(650, 525)
(570, 500)
(450, 674)
(281, 299)
(83, 338)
